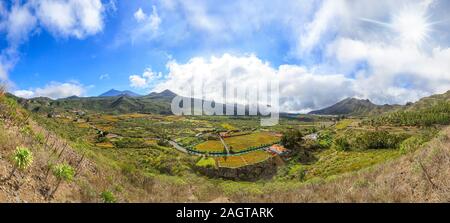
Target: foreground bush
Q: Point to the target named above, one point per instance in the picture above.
(63, 172)
(22, 159)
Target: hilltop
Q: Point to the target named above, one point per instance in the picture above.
(115, 93)
(354, 107)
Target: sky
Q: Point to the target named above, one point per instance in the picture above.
(321, 51)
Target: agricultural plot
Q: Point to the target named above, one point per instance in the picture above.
(210, 146)
(243, 160)
(240, 143)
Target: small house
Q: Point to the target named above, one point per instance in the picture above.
(277, 149)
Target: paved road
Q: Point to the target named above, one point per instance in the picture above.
(178, 147)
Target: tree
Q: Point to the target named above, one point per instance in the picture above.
(63, 172)
(292, 140)
(22, 159)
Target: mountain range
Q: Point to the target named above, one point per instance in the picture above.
(118, 102)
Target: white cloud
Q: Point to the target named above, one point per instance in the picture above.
(78, 18)
(139, 15)
(137, 81)
(148, 25)
(53, 90)
(145, 80)
(328, 13)
(300, 89)
(20, 23)
(397, 73)
(24, 93)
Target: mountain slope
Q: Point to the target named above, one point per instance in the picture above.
(354, 107)
(430, 101)
(157, 103)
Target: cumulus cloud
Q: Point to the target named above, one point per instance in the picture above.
(78, 18)
(300, 88)
(145, 80)
(148, 25)
(53, 90)
(20, 22)
(24, 93)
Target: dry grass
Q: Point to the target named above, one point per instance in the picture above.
(2, 90)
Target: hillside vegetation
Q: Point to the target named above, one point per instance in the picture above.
(354, 107)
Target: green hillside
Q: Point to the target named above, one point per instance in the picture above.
(354, 107)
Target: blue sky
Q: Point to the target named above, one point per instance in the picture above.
(320, 50)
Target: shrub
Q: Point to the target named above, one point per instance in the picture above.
(411, 144)
(163, 142)
(63, 172)
(298, 172)
(40, 138)
(378, 140)
(108, 197)
(22, 159)
(341, 143)
(325, 139)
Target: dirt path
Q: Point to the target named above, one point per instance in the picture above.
(224, 145)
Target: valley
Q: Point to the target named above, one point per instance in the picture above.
(204, 158)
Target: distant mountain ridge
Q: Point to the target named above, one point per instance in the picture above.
(354, 107)
(113, 101)
(114, 93)
(160, 103)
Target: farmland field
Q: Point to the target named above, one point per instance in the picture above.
(210, 146)
(243, 160)
(239, 143)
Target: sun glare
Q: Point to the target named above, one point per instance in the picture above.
(412, 26)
